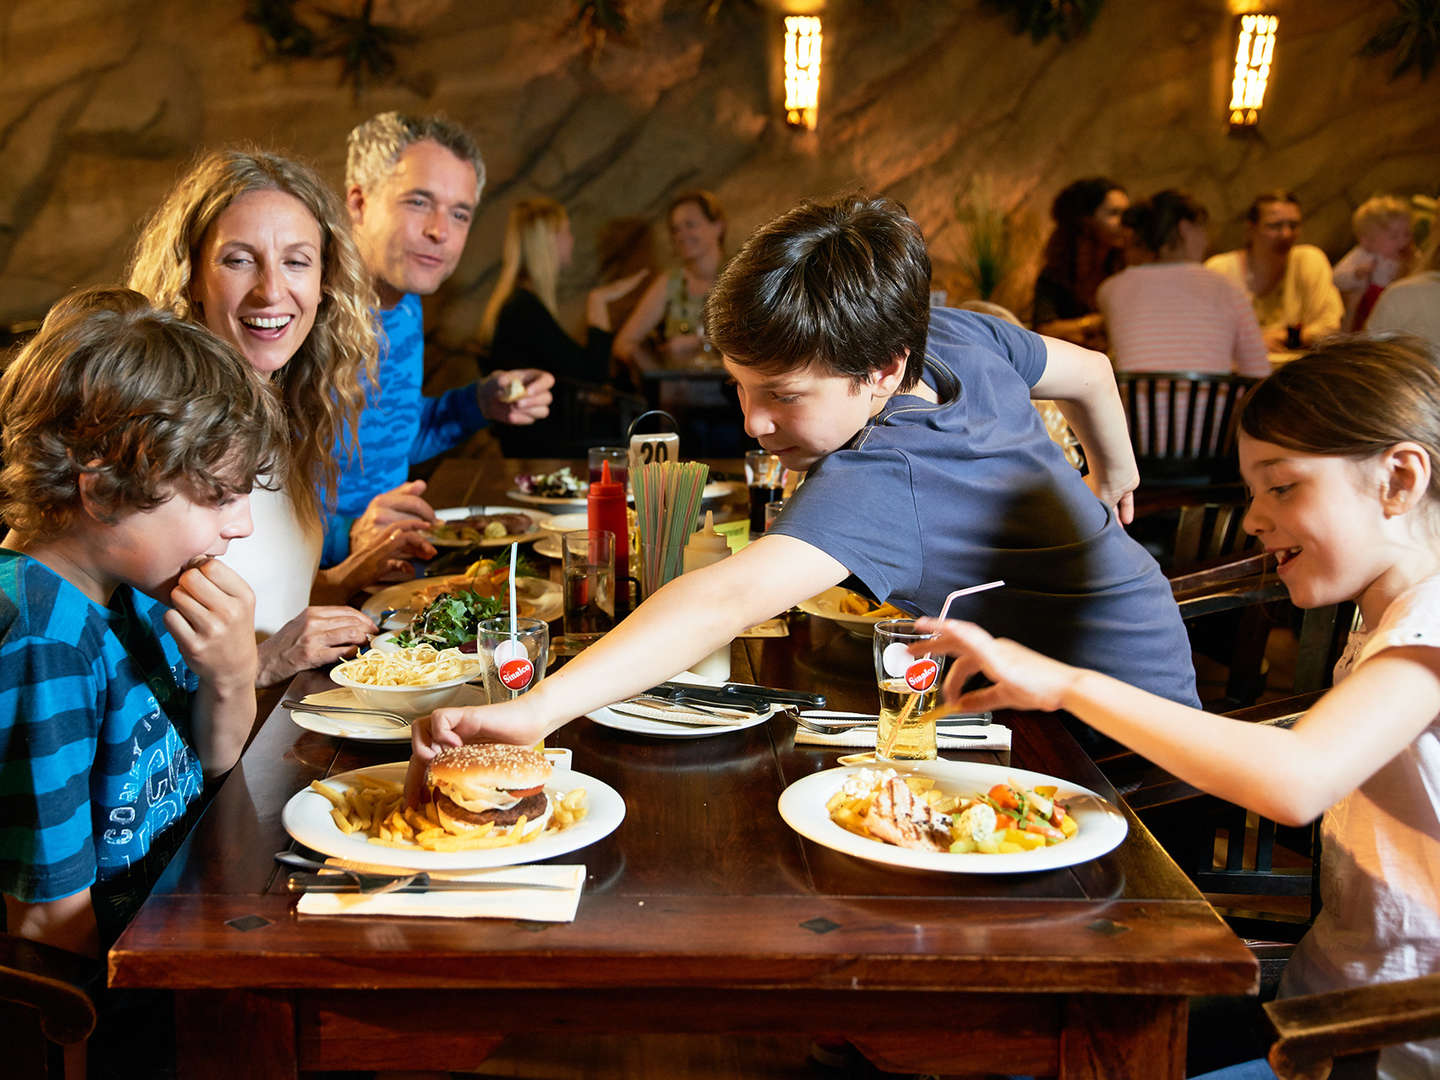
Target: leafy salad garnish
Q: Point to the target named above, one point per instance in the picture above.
(449, 621)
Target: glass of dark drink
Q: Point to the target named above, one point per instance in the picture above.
(765, 477)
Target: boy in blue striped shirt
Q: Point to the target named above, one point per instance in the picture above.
(131, 440)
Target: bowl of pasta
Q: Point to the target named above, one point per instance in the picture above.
(410, 682)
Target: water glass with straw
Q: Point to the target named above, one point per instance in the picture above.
(910, 687)
(518, 650)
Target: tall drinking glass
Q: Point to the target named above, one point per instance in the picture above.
(909, 688)
(588, 557)
(765, 476)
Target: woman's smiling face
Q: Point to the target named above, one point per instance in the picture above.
(257, 277)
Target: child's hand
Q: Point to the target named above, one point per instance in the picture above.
(514, 722)
(212, 617)
(1023, 678)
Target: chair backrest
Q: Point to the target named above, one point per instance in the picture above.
(1182, 423)
(46, 1013)
(1314, 1030)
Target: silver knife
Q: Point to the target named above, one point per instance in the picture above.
(339, 883)
(858, 719)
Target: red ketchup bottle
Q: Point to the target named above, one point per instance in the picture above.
(606, 509)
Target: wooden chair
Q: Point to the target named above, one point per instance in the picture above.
(1316, 1029)
(1182, 424)
(46, 1013)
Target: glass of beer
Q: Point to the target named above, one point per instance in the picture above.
(909, 688)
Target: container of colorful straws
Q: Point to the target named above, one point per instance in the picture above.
(667, 505)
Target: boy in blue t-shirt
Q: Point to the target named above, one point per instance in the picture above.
(131, 440)
(927, 470)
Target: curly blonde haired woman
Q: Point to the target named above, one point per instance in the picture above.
(257, 248)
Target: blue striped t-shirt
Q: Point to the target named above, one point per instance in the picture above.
(97, 778)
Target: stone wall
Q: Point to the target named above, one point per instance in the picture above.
(101, 103)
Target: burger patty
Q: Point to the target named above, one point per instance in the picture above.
(530, 807)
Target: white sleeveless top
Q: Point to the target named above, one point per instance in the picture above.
(1380, 856)
(278, 560)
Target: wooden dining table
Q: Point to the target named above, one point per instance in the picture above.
(703, 912)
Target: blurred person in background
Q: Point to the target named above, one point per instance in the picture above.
(1385, 252)
(1086, 246)
(1289, 283)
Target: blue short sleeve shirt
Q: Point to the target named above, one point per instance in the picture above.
(97, 776)
(931, 497)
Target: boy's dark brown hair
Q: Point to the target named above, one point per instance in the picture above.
(145, 402)
(844, 285)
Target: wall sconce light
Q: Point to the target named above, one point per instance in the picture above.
(802, 71)
(1254, 50)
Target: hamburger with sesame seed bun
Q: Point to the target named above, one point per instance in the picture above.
(489, 783)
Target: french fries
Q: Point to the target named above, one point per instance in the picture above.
(855, 604)
(376, 809)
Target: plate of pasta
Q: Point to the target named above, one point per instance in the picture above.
(858, 614)
(367, 801)
(957, 817)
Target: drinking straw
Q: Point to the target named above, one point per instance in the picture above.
(667, 502)
(903, 716)
(512, 597)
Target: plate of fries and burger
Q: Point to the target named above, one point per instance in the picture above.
(484, 805)
(858, 614)
(485, 526)
(955, 817)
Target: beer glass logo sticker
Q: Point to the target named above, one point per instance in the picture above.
(516, 674)
(920, 675)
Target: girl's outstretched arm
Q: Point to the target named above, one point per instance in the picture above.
(1290, 776)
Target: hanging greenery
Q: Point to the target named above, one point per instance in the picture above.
(367, 49)
(1040, 18)
(1413, 34)
(985, 254)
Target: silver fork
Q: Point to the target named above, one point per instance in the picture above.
(344, 710)
(836, 727)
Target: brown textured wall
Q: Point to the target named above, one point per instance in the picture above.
(102, 102)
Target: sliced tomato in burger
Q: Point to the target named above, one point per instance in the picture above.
(525, 793)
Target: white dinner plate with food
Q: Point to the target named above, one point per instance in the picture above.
(1101, 825)
(361, 727)
(713, 492)
(478, 526)
(537, 598)
(306, 817)
(827, 605)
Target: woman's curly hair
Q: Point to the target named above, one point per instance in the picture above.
(144, 403)
(323, 385)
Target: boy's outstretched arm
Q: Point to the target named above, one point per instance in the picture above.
(681, 623)
(212, 618)
(1290, 776)
(1082, 383)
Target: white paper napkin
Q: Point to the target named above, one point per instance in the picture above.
(997, 737)
(538, 905)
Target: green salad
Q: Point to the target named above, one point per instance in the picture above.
(449, 621)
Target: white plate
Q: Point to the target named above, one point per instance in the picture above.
(563, 523)
(714, 491)
(827, 606)
(549, 546)
(368, 728)
(1102, 827)
(539, 599)
(459, 513)
(306, 817)
(639, 725)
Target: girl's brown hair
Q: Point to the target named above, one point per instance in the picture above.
(1352, 397)
(144, 402)
(322, 385)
